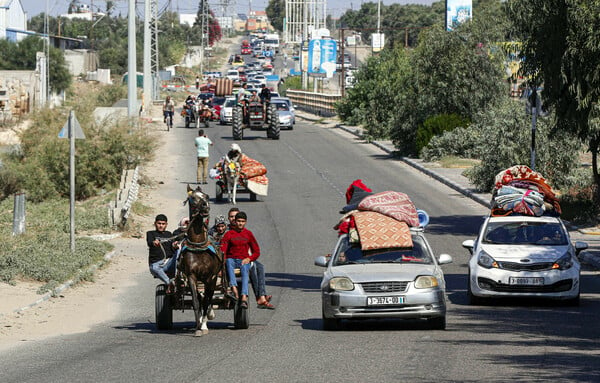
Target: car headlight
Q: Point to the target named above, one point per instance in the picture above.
(563, 263)
(484, 260)
(341, 283)
(426, 282)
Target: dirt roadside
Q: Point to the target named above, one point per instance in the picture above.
(80, 307)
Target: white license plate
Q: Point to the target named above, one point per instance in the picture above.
(530, 281)
(382, 301)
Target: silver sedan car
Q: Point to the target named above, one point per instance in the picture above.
(405, 283)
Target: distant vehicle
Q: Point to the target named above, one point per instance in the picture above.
(272, 42)
(227, 111)
(217, 105)
(285, 116)
(262, 78)
(233, 74)
(291, 106)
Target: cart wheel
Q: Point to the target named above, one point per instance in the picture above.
(240, 317)
(252, 196)
(164, 311)
(219, 193)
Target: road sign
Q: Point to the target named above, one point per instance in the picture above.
(77, 131)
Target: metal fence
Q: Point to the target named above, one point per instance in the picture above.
(320, 104)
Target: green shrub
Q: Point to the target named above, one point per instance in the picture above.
(436, 125)
(41, 166)
(291, 82)
(43, 252)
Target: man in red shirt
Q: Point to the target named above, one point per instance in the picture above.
(240, 248)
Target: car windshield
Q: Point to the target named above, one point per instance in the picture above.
(281, 106)
(526, 232)
(352, 254)
(218, 101)
(230, 102)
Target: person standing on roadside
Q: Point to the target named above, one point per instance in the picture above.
(202, 143)
(197, 82)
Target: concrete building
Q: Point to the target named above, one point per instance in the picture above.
(13, 20)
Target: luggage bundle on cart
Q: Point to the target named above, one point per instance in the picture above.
(522, 190)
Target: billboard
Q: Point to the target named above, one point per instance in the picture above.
(457, 12)
(377, 41)
(322, 54)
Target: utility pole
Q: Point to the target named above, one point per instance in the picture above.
(147, 95)
(131, 63)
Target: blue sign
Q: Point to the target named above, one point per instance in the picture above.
(322, 54)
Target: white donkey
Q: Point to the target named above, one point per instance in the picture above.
(232, 170)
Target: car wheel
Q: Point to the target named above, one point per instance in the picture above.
(438, 323)
(473, 299)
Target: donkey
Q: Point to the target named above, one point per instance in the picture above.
(233, 170)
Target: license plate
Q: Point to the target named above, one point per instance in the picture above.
(531, 281)
(382, 301)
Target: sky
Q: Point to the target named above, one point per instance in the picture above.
(57, 7)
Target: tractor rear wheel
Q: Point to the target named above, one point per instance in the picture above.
(236, 123)
(273, 127)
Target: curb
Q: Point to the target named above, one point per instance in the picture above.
(419, 167)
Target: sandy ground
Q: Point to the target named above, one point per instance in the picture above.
(93, 302)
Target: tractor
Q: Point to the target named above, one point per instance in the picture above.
(254, 115)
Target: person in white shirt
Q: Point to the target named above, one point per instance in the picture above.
(202, 144)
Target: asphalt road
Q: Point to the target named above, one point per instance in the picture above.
(309, 170)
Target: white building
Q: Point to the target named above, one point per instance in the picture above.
(13, 20)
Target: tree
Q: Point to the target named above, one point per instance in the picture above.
(22, 55)
(561, 51)
(276, 13)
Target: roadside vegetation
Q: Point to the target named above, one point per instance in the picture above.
(39, 167)
(450, 94)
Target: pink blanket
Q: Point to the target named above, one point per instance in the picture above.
(393, 204)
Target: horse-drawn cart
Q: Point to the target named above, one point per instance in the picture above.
(181, 300)
(200, 284)
(222, 190)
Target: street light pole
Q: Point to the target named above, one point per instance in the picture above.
(378, 16)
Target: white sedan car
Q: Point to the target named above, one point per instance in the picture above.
(226, 115)
(523, 256)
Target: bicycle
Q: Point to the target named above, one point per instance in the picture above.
(169, 120)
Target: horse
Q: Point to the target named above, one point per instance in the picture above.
(197, 261)
(232, 170)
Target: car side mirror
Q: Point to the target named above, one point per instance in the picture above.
(322, 260)
(580, 246)
(444, 259)
(469, 244)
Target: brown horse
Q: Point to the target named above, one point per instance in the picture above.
(198, 262)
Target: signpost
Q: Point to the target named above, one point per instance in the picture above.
(72, 130)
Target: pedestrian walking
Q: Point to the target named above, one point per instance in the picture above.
(202, 144)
